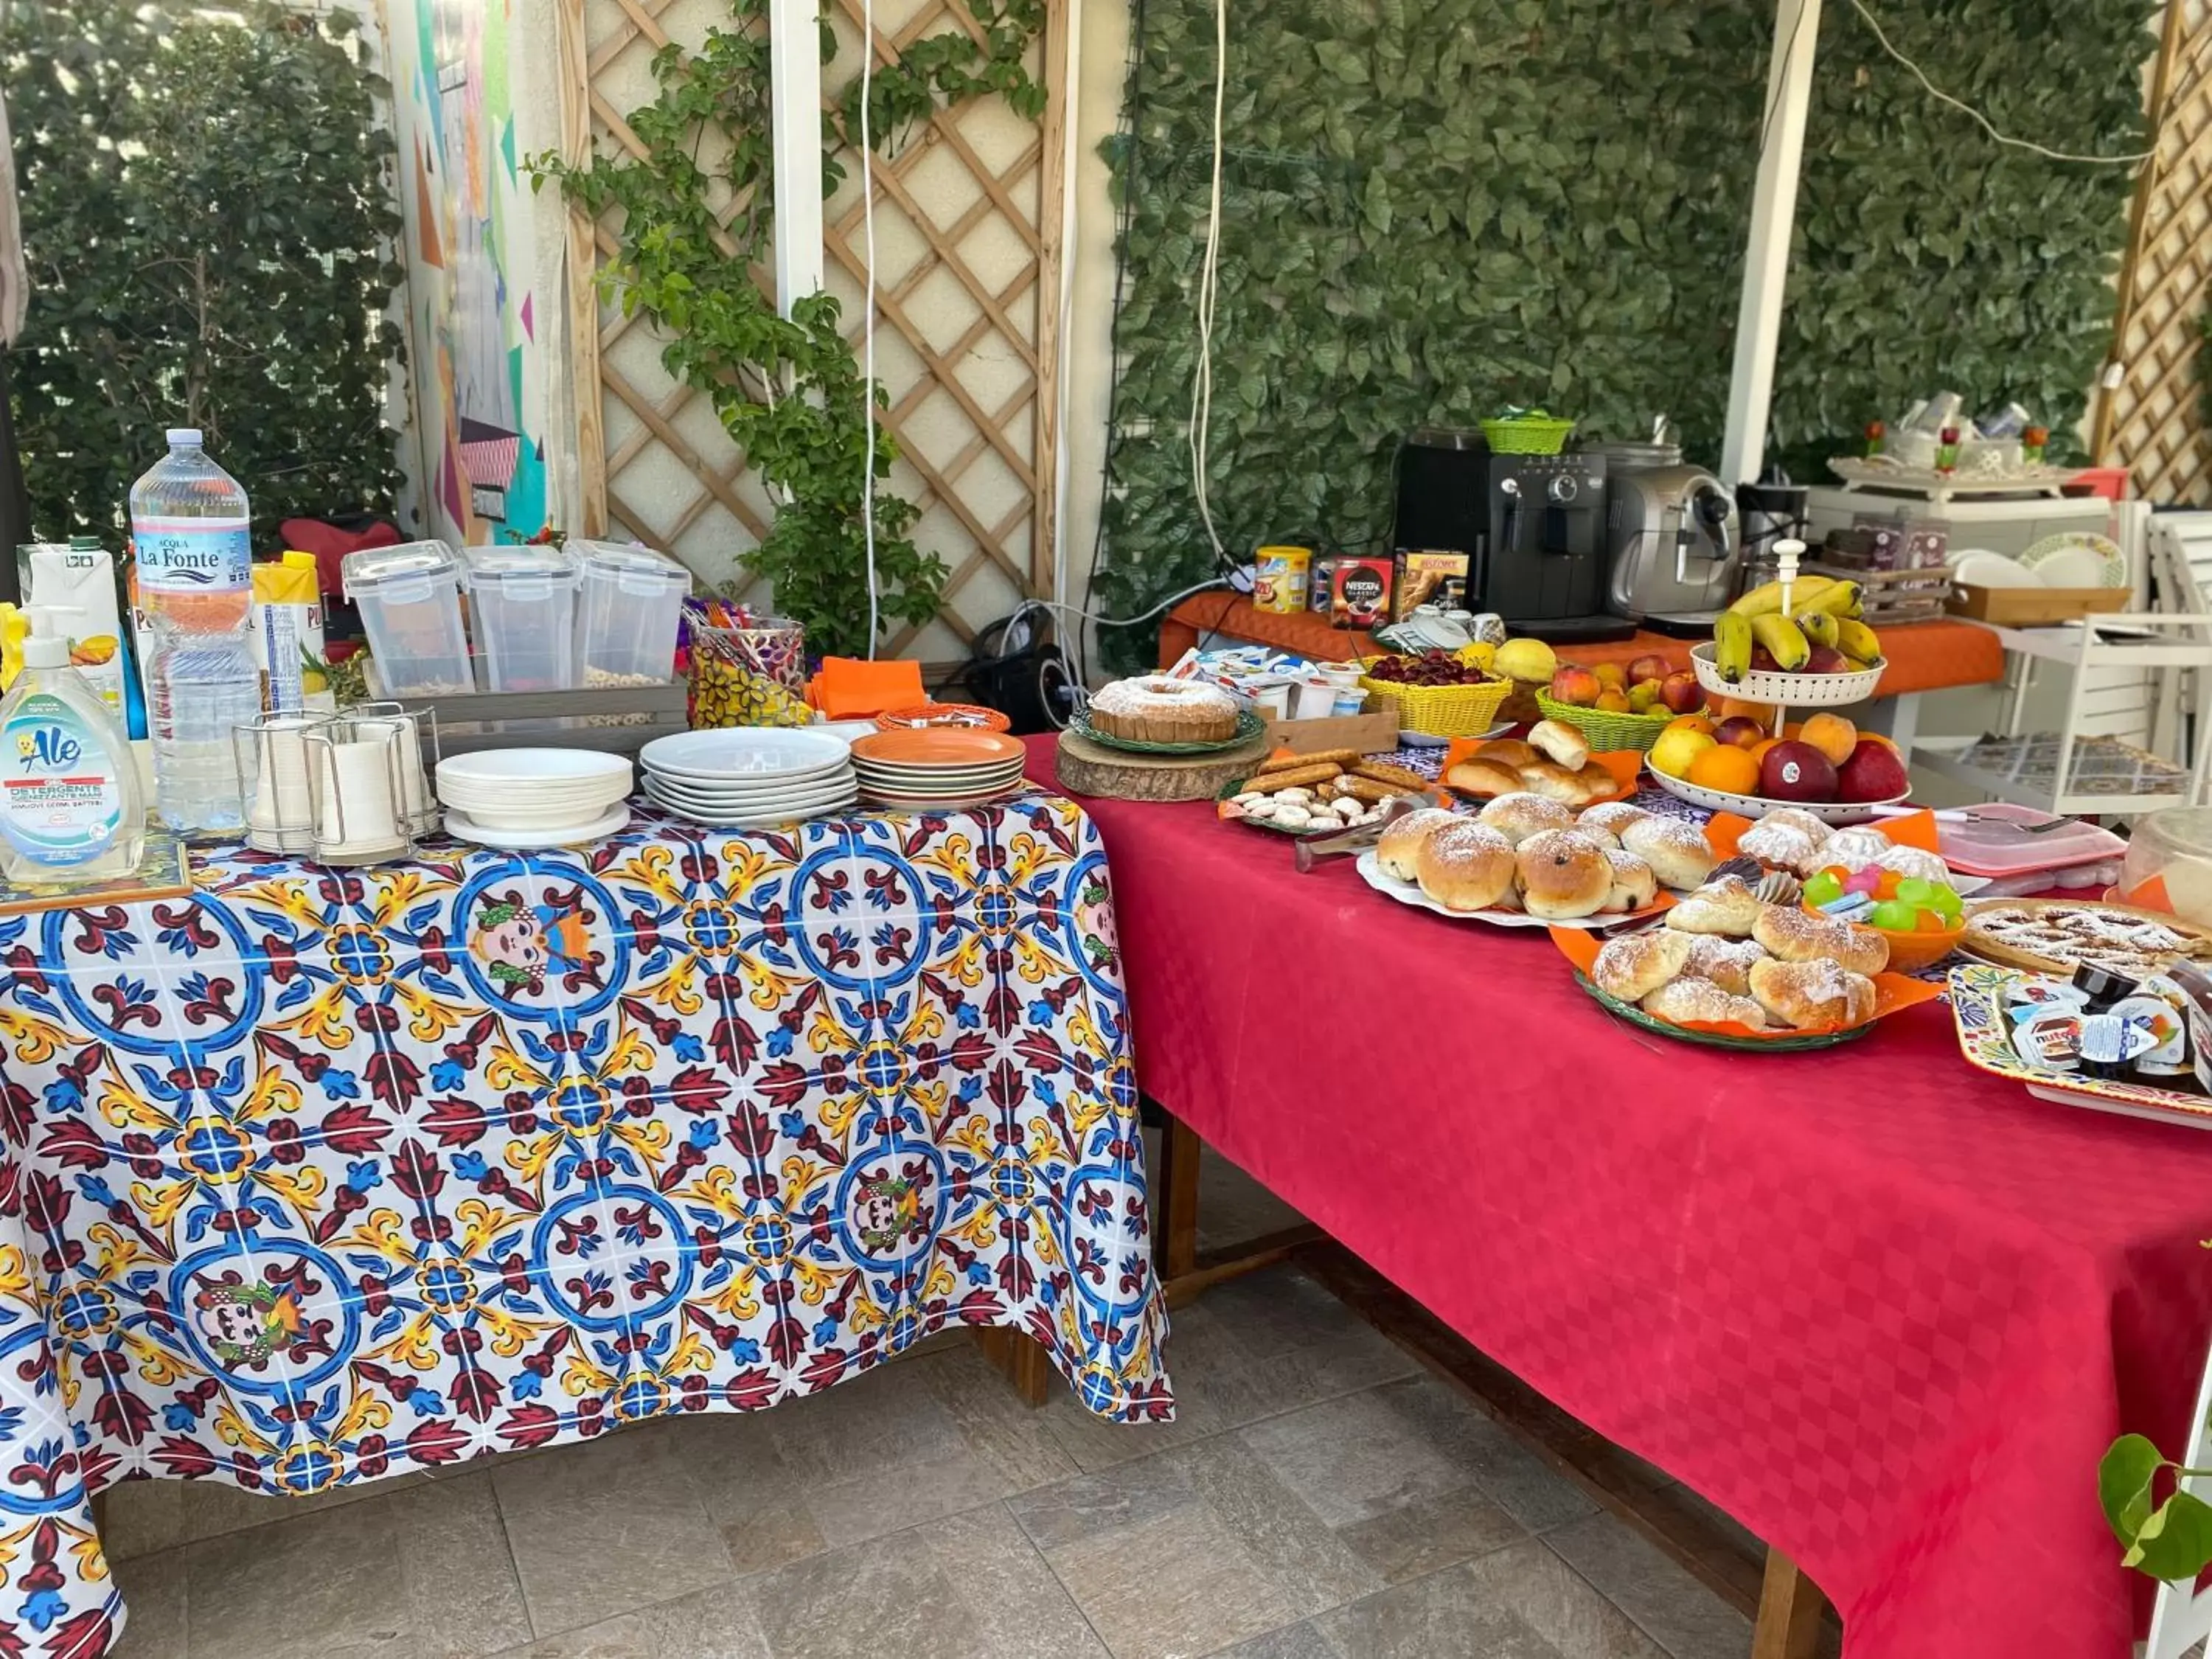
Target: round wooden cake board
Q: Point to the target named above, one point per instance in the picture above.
(1091, 769)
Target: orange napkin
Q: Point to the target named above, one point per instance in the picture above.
(849, 688)
(1892, 992)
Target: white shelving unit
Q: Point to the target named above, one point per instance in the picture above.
(2131, 642)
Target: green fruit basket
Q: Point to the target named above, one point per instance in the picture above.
(1606, 730)
(1527, 432)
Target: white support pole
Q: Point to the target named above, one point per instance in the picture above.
(1766, 257)
(795, 77)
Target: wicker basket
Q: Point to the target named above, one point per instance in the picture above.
(1532, 433)
(1606, 730)
(1441, 711)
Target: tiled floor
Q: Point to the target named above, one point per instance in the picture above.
(1320, 1498)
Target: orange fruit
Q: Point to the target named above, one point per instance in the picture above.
(1701, 723)
(1727, 768)
(1764, 713)
(1832, 735)
(1758, 750)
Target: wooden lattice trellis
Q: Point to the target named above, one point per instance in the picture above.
(968, 277)
(2153, 421)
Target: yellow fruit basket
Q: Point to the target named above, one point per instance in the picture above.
(1608, 729)
(1440, 711)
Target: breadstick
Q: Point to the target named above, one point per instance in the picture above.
(1308, 772)
(1336, 757)
(1404, 778)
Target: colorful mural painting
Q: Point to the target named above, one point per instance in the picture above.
(482, 379)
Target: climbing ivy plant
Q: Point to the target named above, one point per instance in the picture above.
(1435, 207)
(786, 389)
(207, 217)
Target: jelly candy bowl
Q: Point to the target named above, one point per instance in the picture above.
(1911, 951)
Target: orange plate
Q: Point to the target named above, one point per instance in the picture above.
(1890, 991)
(1624, 763)
(939, 745)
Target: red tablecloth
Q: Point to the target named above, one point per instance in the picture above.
(1886, 1311)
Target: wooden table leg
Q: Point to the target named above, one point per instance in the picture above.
(1175, 1204)
(1017, 1354)
(1790, 1609)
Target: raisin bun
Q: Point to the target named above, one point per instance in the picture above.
(1677, 851)
(1608, 818)
(1562, 876)
(1520, 815)
(1403, 837)
(1634, 886)
(1464, 866)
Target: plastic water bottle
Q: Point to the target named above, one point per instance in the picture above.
(189, 522)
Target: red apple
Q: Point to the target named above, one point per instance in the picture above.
(1873, 772)
(1796, 771)
(1575, 685)
(1827, 660)
(1649, 666)
(1741, 730)
(1681, 692)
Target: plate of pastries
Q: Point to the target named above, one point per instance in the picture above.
(1553, 761)
(1526, 860)
(1321, 794)
(1723, 966)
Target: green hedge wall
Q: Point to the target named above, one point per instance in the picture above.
(1432, 208)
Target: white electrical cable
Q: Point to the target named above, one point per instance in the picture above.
(868, 317)
(1982, 120)
(1201, 383)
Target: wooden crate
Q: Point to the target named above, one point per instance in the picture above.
(1374, 733)
(1894, 596)
(2033, 607)
(619, 718)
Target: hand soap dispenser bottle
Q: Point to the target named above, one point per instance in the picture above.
(70, 807)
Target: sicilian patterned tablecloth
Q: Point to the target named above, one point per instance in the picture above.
(318, 1175)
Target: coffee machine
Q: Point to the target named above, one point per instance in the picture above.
(1672, 543)
(1533, 526)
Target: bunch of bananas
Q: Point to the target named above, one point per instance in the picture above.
(1822, 634)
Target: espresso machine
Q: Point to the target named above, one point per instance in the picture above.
(1672, 543)
(1533, 526)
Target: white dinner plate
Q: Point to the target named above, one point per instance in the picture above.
(746, 752)
(766, 820)
(551, 768)
(777, 800)
(1406, 892)
(2077, 558)
(506, 816)
(460, 827)
(1979, 568)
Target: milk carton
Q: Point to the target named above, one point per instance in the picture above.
(77, 578)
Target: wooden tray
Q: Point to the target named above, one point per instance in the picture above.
(1973, 944)
(2033, 607)
(1374, 732)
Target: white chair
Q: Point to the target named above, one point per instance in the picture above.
(2181, 1617)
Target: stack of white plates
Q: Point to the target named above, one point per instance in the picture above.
(934, 769)
(750, 777)
(521, 797)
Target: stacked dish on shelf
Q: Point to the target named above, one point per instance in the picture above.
(525, 798)
(939, 768)
(750, 777)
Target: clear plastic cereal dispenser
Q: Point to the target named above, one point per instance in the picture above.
(524, 600)
(633, 601)
(410, 598)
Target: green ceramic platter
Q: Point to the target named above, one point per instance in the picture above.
(1248, 726)
(1636, 1016)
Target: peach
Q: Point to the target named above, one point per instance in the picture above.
(1575, 685)
(1681, 692)
(1832, 735)
(1650, 666)
(1742, 731)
